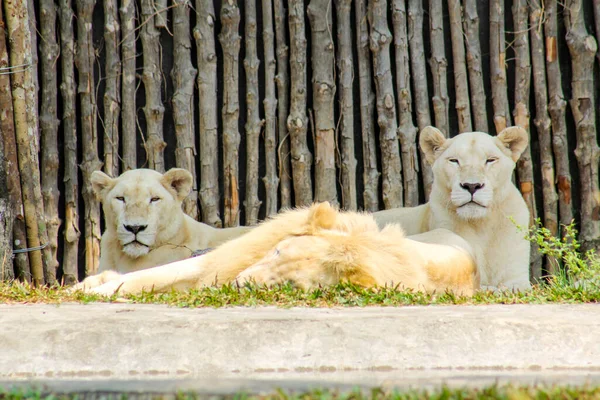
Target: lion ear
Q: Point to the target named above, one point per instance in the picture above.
(432, 142)
(101, 183)
(515, 139)
(179, 180)
(321, 216)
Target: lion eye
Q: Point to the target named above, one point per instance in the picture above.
(453, 161)
(121, 198)
(154, 199)
(491, 160)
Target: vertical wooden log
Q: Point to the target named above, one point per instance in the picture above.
(230, 41)
(498, 66)
(49, 131)
(323, 84)
(160, 13)
(297, 121)
(6, 223)
(152, 77)
(204, 36)
(419, 78)
(283, 104)
(543, 123)
(129, 111)
(183, 75)
(69, 128)
(13, 182)
(386, 109)
(471, 31)
(407, 131)
(85, 65)
(461, 85)
(583, 47)
(439, 64)
(26, 130)
(557, 108)
(112, 99)
(270, 180)
(345, 62)
(367, 109)
(253, 122)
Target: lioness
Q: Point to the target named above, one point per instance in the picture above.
(145, 225)
(473, 196)
(317, 246)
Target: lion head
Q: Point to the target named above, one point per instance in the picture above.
(142, 207)
(473, 169)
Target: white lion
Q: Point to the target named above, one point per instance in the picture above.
(474, 197)
(145, 225)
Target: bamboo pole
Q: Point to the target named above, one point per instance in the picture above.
(112, 98)
(371, 172)
(128, 109)
(183, 75)
(230, 42)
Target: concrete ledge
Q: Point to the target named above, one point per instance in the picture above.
(225, 350)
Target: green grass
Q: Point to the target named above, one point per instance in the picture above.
(444, 393)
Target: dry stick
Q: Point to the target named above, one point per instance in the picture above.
(283, 104)
(160, 18)
(152, 77)
(69, 127)
(320, 15)
(297, 121)
(33, 32)
(208, 120)
(253, 122)
(461, 86)
(49, 131)
(438, 64)
(183, 75)
(367, 110)
(7, 127)
(543, 123)
(582, 48)
(498, 66)
(128, 114)
(407, 131)
(596, 4)
(270, 180)
(6, 222)
(477, 90)
(26, 129)
(230, 42)
(386, 107)
(419, 76)
(345, 63)
(111, 91)
(521, 115)
(91, 163)
(557, 108)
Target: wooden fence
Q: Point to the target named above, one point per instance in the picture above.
(276, 103)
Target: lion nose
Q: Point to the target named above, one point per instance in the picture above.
(471, 187)
(135, 228)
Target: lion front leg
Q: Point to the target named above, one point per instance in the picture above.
(95, 280)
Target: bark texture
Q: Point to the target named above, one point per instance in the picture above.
(438, 64)
(297, 121)
(461, 86)
(498, 66)
(253, 122)
(345, 61)
(85, 66)
(380, 39)
(183, 75)
(6, 224)
(152, 77)
(557, 107)
(407, 131)
(583, 47)
(230, 41)
(323, 85)
(128, 110)
(271, 179)
(49, 131)
(112, 97)
(367, 110)
(204, 35)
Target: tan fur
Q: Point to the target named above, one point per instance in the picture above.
(147, 198)
(501, 252)
(317, 246)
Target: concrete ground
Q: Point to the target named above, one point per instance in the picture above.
(154, 348)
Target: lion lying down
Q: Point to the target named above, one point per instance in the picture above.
(315, 246)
